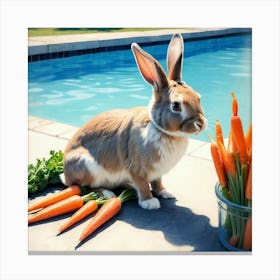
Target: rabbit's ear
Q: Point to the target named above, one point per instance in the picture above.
(175, 57)
(150, 68)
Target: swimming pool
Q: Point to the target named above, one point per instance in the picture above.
(72, 90)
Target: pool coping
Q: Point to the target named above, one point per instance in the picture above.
(48, 47)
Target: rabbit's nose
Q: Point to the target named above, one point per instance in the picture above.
(200, 124)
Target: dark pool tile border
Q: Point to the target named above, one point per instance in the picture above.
(63, 54)
(54, 55)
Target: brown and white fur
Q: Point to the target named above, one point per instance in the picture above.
(135, 147)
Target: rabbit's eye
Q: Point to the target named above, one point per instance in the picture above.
(176, 106)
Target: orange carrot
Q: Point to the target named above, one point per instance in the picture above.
(233, 240)
(66, 205)
(237, 132)
(219, 133)
(220, 143)
(231, 145)
(106, 212)
(250, 155)
(221, 146)
(247, 241)
(223, 155)
(88, 208)
(234, 105)
(220, 170)
(238, 138)
(51, 199)
(61, 207)
(248, 188)
(248, 137)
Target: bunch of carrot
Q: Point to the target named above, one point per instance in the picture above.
(69, 200)
(233, 164)
(59, 203)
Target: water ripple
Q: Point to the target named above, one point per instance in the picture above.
(35, 89)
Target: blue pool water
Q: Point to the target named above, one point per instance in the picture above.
(72, 90)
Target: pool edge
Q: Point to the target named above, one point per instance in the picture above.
(65, 46)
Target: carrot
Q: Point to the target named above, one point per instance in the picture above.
(224, 156)
(66, 205)
(248, 188)
(220, 170)
(219, 133)
(51, 199)
(250, 155)
(247, 241)
(88, 208)
(248, 137)
(106, 212)
(220, 143)
(231, 145)
(237, 132)
(221, 146)
(233, 241)
(234, 105)
(238, 138)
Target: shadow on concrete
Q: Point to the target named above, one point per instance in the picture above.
(179, 225)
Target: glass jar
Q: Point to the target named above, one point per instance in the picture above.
(233, 219)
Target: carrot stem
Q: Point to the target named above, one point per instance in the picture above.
(231, 164)
(241, 186)
(90, 196)
(127, 195)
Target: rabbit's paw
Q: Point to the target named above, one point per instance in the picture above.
(152, 203)
(165, 194)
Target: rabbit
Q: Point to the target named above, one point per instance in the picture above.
(136, 147)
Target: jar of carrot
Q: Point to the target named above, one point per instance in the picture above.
(235, 223)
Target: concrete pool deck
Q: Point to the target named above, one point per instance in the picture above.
(186, 224)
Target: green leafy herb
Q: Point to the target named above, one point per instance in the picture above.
(45, 172)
